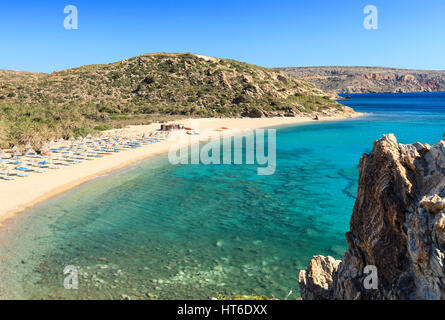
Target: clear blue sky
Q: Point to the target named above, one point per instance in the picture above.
(271, 33)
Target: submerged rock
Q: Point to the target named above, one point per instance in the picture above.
(397, 225)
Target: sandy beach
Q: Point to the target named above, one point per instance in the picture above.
(21, 194)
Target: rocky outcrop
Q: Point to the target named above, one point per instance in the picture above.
(397, 225)
(317, 283)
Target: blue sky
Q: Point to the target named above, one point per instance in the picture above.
(268, 33)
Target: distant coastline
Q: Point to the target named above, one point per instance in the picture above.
(341, 79)
(343, 94)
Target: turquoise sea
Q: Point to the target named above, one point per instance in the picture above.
(193, 231)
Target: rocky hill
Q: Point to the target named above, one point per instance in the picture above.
(398, 226)
(370, 79)
(75, 101)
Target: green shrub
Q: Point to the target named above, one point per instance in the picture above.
(103, 127)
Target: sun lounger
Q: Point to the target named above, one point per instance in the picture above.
(7, 178)
(22, 175)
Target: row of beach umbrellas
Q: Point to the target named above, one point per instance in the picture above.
(19, 163)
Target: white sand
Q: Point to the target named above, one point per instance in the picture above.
(23, 193)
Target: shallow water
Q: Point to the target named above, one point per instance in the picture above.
(187, 232)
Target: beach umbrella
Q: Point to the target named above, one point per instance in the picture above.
(16, 152)
(29, 150)
(45, 146)
(52, 145)
(3, 154)
(8, 169)
(45, 149)
(3, 169)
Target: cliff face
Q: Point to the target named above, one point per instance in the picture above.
(397, 225)
(370, 79)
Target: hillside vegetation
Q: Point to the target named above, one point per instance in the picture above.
(370, 79)
(36, 107)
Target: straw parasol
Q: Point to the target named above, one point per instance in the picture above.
(3, 167)
(51, 144)
(3, 155)
(16, 152)
(45, 148)
(29, 150)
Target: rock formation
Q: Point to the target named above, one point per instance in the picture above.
(397, 225)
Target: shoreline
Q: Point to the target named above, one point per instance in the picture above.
(20, 195)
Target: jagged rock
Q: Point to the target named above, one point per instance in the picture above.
(433, 204)
(253, 113)
(318, 280)
(397, 225)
